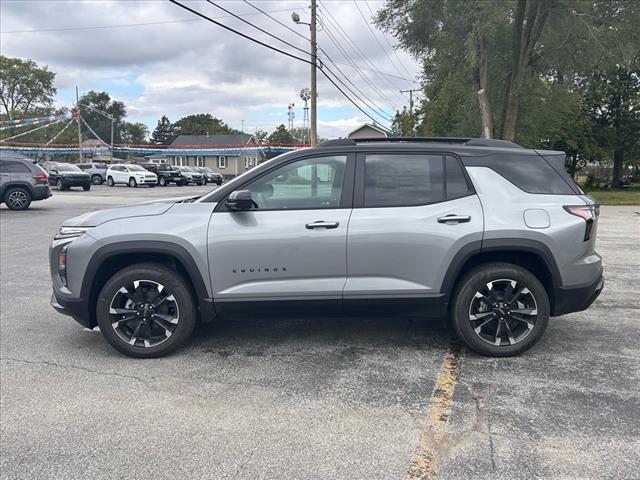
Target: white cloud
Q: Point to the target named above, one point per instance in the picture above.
(193, 66)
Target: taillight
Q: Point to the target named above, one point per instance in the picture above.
(589, 213)
(41, 177)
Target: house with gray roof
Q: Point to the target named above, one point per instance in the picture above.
(229, 155)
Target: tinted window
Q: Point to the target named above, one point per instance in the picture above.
(530, 173)
(14, 167)
(67, 167)
(310, 183)
(456, 182)
(397, 180)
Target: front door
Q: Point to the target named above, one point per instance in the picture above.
(409, 220)
(292, 244)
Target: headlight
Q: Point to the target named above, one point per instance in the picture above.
(71, 232)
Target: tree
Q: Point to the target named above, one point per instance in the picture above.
(164, 133)
(404, 124)
(92, 101)
(134, 133)
(24, 87)
(203, 124)
(281, 136)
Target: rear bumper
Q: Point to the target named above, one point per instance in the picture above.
(41, 192)
(576, 299)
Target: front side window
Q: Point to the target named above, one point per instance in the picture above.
(222, 162)
(306, 184)
(394, 180)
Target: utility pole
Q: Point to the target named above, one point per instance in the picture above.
(112, 139)
(314, 86)
(79, 129)
(313, 134)
(411, 90)
(242, 127)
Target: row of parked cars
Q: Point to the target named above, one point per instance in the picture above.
(67, 175)
(23, 181)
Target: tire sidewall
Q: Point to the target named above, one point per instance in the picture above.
(110, 182)
(162, 182)
(132, 182)
(14, 189)
(173, 281)
(474, 281)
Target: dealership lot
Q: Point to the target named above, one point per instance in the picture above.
(311, 398)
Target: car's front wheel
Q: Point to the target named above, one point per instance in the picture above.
(500, 309)
(132, 182)
(60, 185)
(162, 182)
(110, 182)
(86, 188)
(17, 198)
(146, 310)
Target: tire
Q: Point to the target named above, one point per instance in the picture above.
(59, 185)
(141, 282)
(110, 181)
(205, 181)
(482, 310)
(86, 188)
(17, 198)
(162, 182)
(132, 182)
(97, 180)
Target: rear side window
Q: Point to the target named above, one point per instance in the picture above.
(393, 180)
(530, 173)
(14, 167)
(457, 185)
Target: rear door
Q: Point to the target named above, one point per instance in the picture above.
(292, 244)
(412, 213)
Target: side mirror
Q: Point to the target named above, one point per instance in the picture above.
(240, 200)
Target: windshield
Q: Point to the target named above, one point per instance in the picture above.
(186, 169)
(66, 167)
(136, 168)
(206, 170)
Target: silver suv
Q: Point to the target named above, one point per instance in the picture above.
(496, 237)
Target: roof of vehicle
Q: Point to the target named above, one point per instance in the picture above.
(458, 144)
(13, 155)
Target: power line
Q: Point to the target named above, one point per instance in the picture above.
(124, 25)
(276, 20)
(254, 40)
(258, 28)
(375, 37)
(340, 31)
(389, 43)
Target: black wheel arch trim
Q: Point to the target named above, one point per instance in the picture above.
(470, 250)
(205, 304)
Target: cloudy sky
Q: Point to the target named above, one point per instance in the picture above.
(162, 60)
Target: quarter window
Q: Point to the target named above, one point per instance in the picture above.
(305, 184)
(456, 182)
(394, 180)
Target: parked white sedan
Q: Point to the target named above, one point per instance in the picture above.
(129, 174)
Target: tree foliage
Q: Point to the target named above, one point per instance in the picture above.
(164, 133)
(281, 136)
(25, 88)
(523, 70)
(203, 124)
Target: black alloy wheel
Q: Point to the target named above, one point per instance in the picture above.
(17, 198)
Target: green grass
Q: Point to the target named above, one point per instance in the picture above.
(617, 197)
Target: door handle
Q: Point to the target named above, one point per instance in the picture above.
(321, 224)
(454, 218)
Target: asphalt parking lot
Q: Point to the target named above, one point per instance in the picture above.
(312, 398)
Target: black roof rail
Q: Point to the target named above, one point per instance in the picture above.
(472, 142)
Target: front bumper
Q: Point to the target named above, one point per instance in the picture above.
(576, 299)
(76, 182)
(78, 309)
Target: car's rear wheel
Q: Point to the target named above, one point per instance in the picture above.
(96, 180)
(132, 182)
(17, 198)
(110, 181)
(162, 182)
(146, 310)
(500, 309)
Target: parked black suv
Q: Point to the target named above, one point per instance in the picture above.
(21, 181)
(66, 175)
(166, 173)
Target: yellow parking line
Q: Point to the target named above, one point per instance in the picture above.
(425, 462)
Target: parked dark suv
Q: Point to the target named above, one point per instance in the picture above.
(21, 181)
(166, 173)
(209, 175)
(66, 175)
